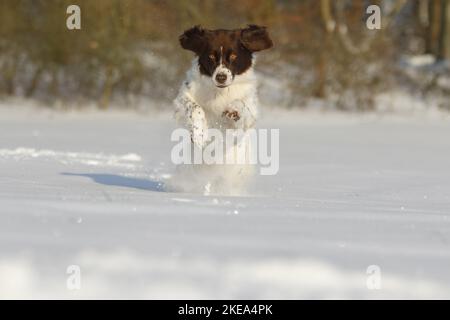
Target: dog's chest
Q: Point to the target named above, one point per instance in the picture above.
(215, 101)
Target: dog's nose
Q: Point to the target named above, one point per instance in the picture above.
(221, 78)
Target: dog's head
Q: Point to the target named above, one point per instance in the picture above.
(223, 54)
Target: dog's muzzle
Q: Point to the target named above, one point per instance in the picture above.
(222, 77)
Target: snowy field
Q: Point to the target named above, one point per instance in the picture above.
(87, 189)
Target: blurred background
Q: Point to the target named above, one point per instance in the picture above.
(127, 55)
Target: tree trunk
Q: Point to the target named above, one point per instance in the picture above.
(34, 82)
(433, 27)
(443, 35)
(107, 89)
(9, 75)
(321, 59)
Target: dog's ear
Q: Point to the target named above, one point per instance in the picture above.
(255, 38)
(193, 39)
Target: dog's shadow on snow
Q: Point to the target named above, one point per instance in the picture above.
(121, 181)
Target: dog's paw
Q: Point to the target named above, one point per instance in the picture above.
(231, 114)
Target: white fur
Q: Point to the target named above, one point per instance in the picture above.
(200, 105)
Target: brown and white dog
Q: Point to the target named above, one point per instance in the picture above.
(220, 89)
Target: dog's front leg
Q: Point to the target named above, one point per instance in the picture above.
(194, 118)
(198, 126)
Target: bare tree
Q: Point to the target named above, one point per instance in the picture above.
(443, 36)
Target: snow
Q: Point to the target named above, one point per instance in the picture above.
(87, 189)
(420, 60)
(92, 159)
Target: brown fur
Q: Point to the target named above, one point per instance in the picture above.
(212, 46)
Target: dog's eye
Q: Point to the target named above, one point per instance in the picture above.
(212, 57)
(233, 57)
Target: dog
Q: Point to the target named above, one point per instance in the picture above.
(220, 92)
